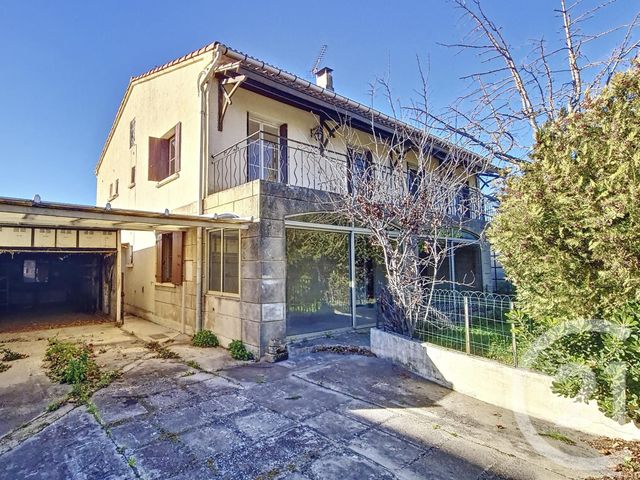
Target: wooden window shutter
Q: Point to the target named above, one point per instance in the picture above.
(158, 258)
(284, 154)
(158, 159)
(178, 134)
(176, 257)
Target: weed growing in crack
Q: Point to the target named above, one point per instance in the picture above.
(74, 364)
(212, 465)
(9, 355)
(239, 351)
(558, 436)
(205, 338)
(4, 367)
(161, 351)
(131, 461)
(193, 364)
(93, 410)
(169, 436)
(56, 404)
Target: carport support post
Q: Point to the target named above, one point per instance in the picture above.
(119, 278)
(199, 291)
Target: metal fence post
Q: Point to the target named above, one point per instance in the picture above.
(467, 326)
(514, 345)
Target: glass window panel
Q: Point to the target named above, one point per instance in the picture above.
(468, 267)
(167, 250)
(215, 257)
(370, 278)
(231, 259)
(318, 293)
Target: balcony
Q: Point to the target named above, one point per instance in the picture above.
(264, 156)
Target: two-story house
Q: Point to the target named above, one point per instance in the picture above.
(217, 132)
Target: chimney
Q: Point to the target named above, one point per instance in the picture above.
(324, 78)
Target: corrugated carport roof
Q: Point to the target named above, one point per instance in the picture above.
(15, 211)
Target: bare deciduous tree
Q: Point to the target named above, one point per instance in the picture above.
(511, 98)
(411, 191)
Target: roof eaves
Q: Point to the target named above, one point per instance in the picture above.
(137, 78)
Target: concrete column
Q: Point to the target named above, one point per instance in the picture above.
(118, 274)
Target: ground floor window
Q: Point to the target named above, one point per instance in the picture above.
(224, 261)
(369, 279)
(318, 288)
(333, 280)
(335, 275)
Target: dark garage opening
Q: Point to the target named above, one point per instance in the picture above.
(51, 289)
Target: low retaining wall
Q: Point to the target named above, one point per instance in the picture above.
(522, 391)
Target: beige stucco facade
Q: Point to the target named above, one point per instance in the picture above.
(185, 92)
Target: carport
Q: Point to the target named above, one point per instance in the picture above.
(63, 263)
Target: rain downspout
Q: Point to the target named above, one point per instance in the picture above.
(203, 81)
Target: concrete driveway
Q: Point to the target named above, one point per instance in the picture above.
(318, 416)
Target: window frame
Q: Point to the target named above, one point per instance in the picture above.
(132, 176)
(171, 160)
(164, 156)
(167, 245)
(132, 132)
(354, 173)
(259, 138)
(221, 292)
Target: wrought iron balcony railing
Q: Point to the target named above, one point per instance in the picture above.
(264, 156)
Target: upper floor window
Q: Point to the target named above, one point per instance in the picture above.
(267, 151)
(359, 168)
(172, 155)
(164, 154)
(413, 180)
(132, 133)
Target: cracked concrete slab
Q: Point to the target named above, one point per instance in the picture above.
(320, 416)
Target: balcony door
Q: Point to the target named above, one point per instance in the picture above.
(266, 153)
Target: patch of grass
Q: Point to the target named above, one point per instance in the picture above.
(489, 339)
(74, 364)
(161, 351)
(193, 364)
(558, 436)
(239, 351)
(4, 367)
(205, 338)
(9, 355)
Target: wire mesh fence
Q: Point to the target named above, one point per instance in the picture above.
(472, 322)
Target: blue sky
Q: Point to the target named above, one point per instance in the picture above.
(66, 64)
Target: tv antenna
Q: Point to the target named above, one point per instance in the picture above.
(316, 65)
